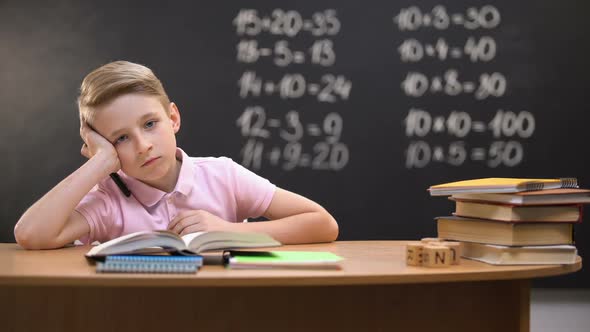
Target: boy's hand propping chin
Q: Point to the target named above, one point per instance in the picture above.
(94, 144)
(197, 221)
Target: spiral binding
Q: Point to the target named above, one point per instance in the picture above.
(154, 259)
(149, 264)
(569, 182)
(534, 186)
(143, 267)
(564, 183)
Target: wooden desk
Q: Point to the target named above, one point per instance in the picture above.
(57, 290)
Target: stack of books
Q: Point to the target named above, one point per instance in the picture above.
(506, 221)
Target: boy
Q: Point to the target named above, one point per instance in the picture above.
(128, 126)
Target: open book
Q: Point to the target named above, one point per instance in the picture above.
(500, 185)
(189, 244)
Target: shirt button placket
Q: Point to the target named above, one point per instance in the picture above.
(171, 207)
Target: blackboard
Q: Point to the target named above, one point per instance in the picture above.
(359, 105)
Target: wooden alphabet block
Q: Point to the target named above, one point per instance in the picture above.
(456, 250)
(414, 254)
(436, 256)
(427, 240)
(433, 252)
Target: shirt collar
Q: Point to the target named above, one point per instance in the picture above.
(149, 196)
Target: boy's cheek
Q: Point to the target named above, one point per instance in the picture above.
(123, 159)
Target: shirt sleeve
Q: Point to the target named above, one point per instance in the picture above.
(97, 207)
(253, 193)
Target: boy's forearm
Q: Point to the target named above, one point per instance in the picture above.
(43, 222)
(309, 227)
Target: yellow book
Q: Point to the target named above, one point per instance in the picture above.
(500, 185)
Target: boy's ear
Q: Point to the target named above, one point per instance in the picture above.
(174, 117)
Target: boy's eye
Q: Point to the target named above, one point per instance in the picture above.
(150, 124)
(121, 139)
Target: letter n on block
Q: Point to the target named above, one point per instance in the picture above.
(436, 256)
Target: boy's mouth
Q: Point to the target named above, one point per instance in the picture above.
(150, 161)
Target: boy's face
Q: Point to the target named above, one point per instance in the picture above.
(143, 135)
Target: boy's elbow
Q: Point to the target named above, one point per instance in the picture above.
(29, 239)
(22, 237)
(332, 228)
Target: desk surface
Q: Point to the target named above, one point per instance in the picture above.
(365, 262)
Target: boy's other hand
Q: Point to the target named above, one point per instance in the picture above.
(94, 144)
(197, 221)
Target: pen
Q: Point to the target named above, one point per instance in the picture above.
(120, 184)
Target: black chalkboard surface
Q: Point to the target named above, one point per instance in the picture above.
(358, 105)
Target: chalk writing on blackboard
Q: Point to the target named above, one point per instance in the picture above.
(280, 136)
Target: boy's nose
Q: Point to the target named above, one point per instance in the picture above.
(143, 145)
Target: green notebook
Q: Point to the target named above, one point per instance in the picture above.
(282, 259)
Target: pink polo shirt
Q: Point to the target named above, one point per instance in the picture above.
(217, 185)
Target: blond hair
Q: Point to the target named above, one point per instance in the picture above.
(114, 79)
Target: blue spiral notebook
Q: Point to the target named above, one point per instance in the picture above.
(149, 264)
